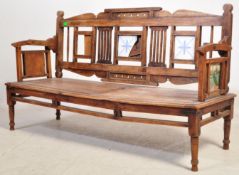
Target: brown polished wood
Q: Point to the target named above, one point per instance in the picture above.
(130, 87)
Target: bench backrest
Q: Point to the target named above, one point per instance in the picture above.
(162, 46)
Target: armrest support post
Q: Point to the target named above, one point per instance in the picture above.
(19, 64)
(201, 77)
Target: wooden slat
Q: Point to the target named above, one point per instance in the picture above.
(129, 59)
(83, 56)
(184, 33)
(151, 46)
(75, 44)
(144, 46)
(89, 33)
(93, 46)
(211, 39)
(116, 39)
(172, 47)
(183, 61)
(34, 76)
(217, 60)
(129, 33)
(164, 45)
(68, 44)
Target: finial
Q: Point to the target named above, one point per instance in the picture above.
(228, 7)
(60, 14)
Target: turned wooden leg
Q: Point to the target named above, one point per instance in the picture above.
(11, 103)
(194, 132)
(194, 152)
(58, 112)
(11, 117)
(117, 113)
(227, 129)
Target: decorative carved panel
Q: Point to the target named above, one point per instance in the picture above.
(158, 43)
(104, 44)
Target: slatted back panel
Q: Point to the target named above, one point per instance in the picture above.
(104, 45)
(153, 45)
(158, 46)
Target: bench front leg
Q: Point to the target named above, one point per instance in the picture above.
(194, 132)
(11, 103)
(227, 128)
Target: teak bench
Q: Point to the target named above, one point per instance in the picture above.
(127, 49)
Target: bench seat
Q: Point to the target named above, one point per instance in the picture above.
(119, 93)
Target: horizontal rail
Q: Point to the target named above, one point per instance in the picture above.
(102, 115)
(105, 67)
(217, 60)
(216, 117)
(159, 21)
(132, 69)
(183, 61)
(172, 72)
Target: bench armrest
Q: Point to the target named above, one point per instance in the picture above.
(50, 43)
(214, 73)
(34, 63)
(220, 47)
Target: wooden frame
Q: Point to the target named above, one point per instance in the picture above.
(89, 45)
(124, 97)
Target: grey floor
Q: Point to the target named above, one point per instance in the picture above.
(82, 145)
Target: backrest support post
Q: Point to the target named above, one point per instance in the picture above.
(227, 32)
(60, 39)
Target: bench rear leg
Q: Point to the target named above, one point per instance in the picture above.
(117, 113)
(227, 129)
(58, 112)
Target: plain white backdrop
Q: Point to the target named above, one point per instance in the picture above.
(31, 19)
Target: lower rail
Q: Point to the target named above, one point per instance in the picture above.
(102, 115)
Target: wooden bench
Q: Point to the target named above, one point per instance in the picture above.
(128, 50)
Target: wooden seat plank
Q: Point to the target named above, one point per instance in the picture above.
(119, 93)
